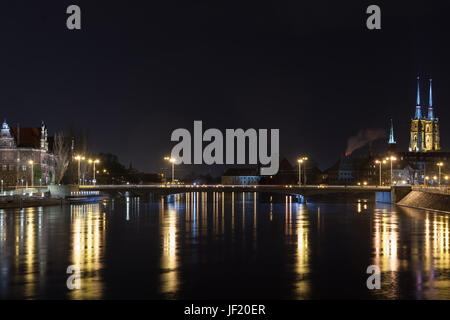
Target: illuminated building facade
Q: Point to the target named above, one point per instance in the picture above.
(23, 152)
(424, 130)
(241, 176)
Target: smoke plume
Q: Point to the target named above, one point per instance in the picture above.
(362, 138)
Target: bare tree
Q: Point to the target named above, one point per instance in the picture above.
(61, 151)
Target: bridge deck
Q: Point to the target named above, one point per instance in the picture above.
(288, 189)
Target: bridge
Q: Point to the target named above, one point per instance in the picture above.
(304, 190)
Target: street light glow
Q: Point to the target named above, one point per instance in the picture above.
(300, 161)
(440, 165)
(172, 161)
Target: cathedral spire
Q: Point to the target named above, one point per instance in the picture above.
(391, 134)
(430, 106)
(418, 108)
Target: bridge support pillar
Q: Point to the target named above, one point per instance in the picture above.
(383, 196)
(399, 192)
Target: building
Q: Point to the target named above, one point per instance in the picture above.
(426, 165)
(352, 170)
(424, 129)
(405, 173)
(420, 163)
(392, 145)
(25, 156)
(241, 176)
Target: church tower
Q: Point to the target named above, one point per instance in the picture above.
(44, 137)
(6, 140)
(424, 135)
(391, 142)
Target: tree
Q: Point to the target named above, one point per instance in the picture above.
(61, 151)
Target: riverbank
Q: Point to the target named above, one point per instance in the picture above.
(16, 202)
(426, 200)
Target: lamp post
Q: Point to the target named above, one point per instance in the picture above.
(380, 163)
(17, 171)
(172, 161)
(79, 158)
(300, 161)
(440, 164)
(391, 158)
(2, 186)
(94, 162)
(31, 162)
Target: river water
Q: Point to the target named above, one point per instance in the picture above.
(223, 245)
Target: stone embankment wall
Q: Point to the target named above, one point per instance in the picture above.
(426, 200)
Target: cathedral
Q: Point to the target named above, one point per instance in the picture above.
(424, 129)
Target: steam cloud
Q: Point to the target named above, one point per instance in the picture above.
(362, 138)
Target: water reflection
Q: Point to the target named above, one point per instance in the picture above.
(303, 263)
(88, 238)
(203, 244)
(414, 241)
(386, 237)
(433, 274)
(169, 259)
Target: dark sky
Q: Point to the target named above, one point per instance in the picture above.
(140, 69)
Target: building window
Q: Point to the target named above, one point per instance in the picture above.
(24, 168)
(4, 167)
(11, 167)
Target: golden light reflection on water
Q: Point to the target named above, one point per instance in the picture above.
(425, 254)
(431, 275)
(169, 260)
(386, 237)
(30, 252)
(88, 241)
(411, 247)
(302, 252)
(23, 251)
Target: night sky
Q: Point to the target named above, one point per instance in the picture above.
(140, 69)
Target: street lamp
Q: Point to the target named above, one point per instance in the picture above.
(79, 158)
(94, 162)
(31, 162)
(380, 163)
(172, 161)
(426, 179)
(440, 165)
(391, 158)
(300, 161)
